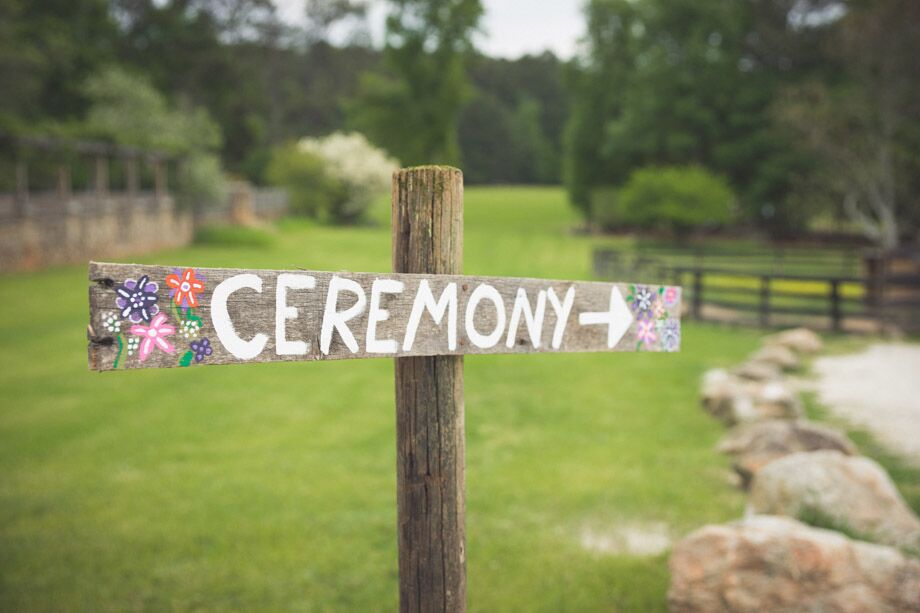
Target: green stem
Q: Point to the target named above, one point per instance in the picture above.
(121, 346)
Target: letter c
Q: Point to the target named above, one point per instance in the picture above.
(240, 349)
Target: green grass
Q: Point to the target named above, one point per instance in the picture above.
(272, 487)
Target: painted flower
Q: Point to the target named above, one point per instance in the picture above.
(184, 288)
(646, 332)
(189, 328)
(154, 335)
(134, 344)
(671, 295)
(202, 349)
(643, 300)
(137, 299)
(658, 310)
(111, 322)
(670, 334)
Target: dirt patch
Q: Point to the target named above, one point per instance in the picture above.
(878, 390)
(632, 539)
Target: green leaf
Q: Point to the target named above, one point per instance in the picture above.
(186, 360)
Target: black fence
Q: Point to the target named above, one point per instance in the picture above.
(754, 289)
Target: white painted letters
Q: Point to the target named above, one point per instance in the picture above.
(376, 315)
(220, 317)
(338, 320)
(283, 312)
(424, 301)
(485, 292)
(562, 313)
(533, 319)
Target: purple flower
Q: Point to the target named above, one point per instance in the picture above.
(670, 335)
(202, 349)
(645, 332)
(136, 299)
(643, 301)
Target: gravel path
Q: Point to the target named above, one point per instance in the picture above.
(879, 390)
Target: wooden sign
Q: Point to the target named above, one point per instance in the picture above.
(425, 315)
(160, 316)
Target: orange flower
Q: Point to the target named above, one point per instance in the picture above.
(185, 288)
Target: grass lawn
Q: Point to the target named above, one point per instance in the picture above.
(272, 487)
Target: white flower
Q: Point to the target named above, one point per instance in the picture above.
(133, 343)
(363, 169)
(111, 322)
(190, 328)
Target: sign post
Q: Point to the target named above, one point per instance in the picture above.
(425, 314)
(427, 220)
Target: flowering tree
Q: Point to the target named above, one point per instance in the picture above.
(336, 176)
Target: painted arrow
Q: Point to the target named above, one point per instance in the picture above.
(617, 318)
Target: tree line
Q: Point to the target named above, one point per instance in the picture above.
(264, 82)
(801, 109)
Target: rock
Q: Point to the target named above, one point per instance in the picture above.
(846, 492)
(765, 563)
(734, 400)
(754, 445)
(779, 355)
(777, 399)
(758, 371)
(800, 340)
(718, 392)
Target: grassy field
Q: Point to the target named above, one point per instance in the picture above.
(272, 487)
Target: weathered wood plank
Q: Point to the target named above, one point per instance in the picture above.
(427, 222)
(373, 313)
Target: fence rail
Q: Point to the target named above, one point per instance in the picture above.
(746, 294)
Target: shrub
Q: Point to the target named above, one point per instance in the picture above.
(679, 199)
(362, 170)
(310, 189)
(336, 177)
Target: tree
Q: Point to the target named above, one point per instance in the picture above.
(412, 111)
(47, 49)
(679, 82)
(865, 125)
(126, 109)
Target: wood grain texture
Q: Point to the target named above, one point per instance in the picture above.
(427, 218)
(253, 313)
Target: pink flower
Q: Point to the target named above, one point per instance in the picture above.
(646, 331)
(154, 334)
(671, 294)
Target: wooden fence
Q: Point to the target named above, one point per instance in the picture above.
(751, 292)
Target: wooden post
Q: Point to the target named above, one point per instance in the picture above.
(764, 301)
(835, 305)
(132, 182)
(102, 175)
(22, 189)
(64, 188)
(159, 179)
(427, 223)
(697, 294)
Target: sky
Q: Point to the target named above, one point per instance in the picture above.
(511, 28)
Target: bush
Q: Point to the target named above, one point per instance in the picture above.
(679, 199)
(334, 178)
(310, 189)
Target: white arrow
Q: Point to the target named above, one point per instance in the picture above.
(618, 318)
